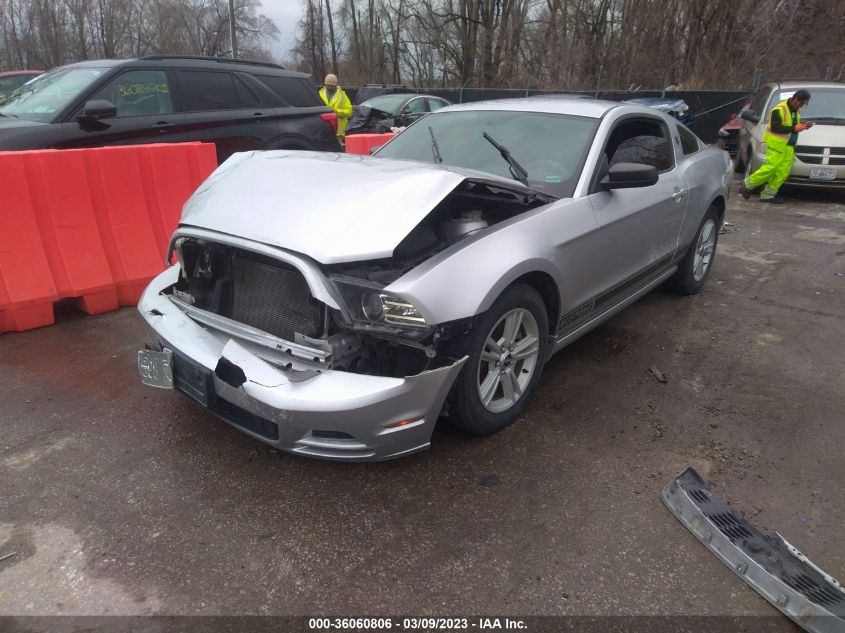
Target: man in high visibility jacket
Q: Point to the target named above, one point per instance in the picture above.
(334, 97)
(780, 139)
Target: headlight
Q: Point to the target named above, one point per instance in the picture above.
(400, 312)
(723, 133)
(367, 302)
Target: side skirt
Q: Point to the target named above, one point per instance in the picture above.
(574, 331)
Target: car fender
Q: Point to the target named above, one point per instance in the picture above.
(465, 279)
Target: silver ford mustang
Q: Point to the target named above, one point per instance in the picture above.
(336, 306)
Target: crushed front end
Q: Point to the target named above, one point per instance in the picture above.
(306, 360)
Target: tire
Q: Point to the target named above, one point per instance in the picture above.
(696, 265)
(749, 164)
(519, 304)
(739, 161)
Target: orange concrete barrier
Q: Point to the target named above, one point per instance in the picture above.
(363, 143)
(91, 224)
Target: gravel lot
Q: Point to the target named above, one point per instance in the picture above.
(123, 500)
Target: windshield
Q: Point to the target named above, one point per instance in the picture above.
(825, 103)
(40, 99)
(550, 147)
(8, 85)
(385, 103)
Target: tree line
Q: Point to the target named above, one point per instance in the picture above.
(572, 44)
(49, 33)
(536, 44)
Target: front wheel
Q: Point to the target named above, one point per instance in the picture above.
(506, 356)
(696, 265)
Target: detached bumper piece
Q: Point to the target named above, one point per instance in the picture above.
(767, 562)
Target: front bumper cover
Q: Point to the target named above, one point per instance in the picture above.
(767, 562)
(331, 415)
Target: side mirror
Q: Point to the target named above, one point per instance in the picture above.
(749, 115)
(98, 109)
(629, 176)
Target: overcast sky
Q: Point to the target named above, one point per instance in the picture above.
(286, 14)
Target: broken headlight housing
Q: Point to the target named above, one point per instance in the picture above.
(367, 306)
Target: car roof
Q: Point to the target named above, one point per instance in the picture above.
(407, 95)
(189, 61)
(577, 106)
(796, 85)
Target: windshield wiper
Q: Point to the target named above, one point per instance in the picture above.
(434, 148)
(517, 170)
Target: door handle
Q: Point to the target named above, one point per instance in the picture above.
(259, 115)
(163, 126)
(680, 194)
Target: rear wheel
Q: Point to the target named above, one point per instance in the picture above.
(506, 356)
(696, 265)
(739, 161)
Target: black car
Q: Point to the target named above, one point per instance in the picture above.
(379, 114)
(369, 91)
(238, 105)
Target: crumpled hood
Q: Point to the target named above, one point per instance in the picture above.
(332, 207)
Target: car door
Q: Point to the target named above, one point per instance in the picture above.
(637, 229)
(221, 108)
(147, 112)
(415, 109)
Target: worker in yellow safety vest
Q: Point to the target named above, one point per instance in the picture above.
(334, 97)
(780, 138)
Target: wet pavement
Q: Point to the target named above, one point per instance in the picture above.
(120, 499)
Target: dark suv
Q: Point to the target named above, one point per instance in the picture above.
(238, 105)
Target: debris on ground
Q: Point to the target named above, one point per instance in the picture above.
(776, 569)
(9, 555)
(661, 377)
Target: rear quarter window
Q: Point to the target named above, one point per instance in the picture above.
(689, 141)
(295, 91)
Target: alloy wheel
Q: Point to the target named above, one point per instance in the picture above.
(509, 358)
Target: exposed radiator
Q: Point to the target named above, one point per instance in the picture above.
(273, 298)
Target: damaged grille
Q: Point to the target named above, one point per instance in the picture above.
(249, 288)
(271, 297)
(814, 591)
(730, 525)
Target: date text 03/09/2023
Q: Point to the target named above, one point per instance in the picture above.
(415, 623)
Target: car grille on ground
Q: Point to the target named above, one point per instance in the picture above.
(814, 591)
(274, 298)
(730, 525)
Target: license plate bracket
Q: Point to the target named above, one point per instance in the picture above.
(822, 173)
(194, 380)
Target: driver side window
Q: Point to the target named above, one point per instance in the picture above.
(415, 106)
(139, 93)
(641, 141)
